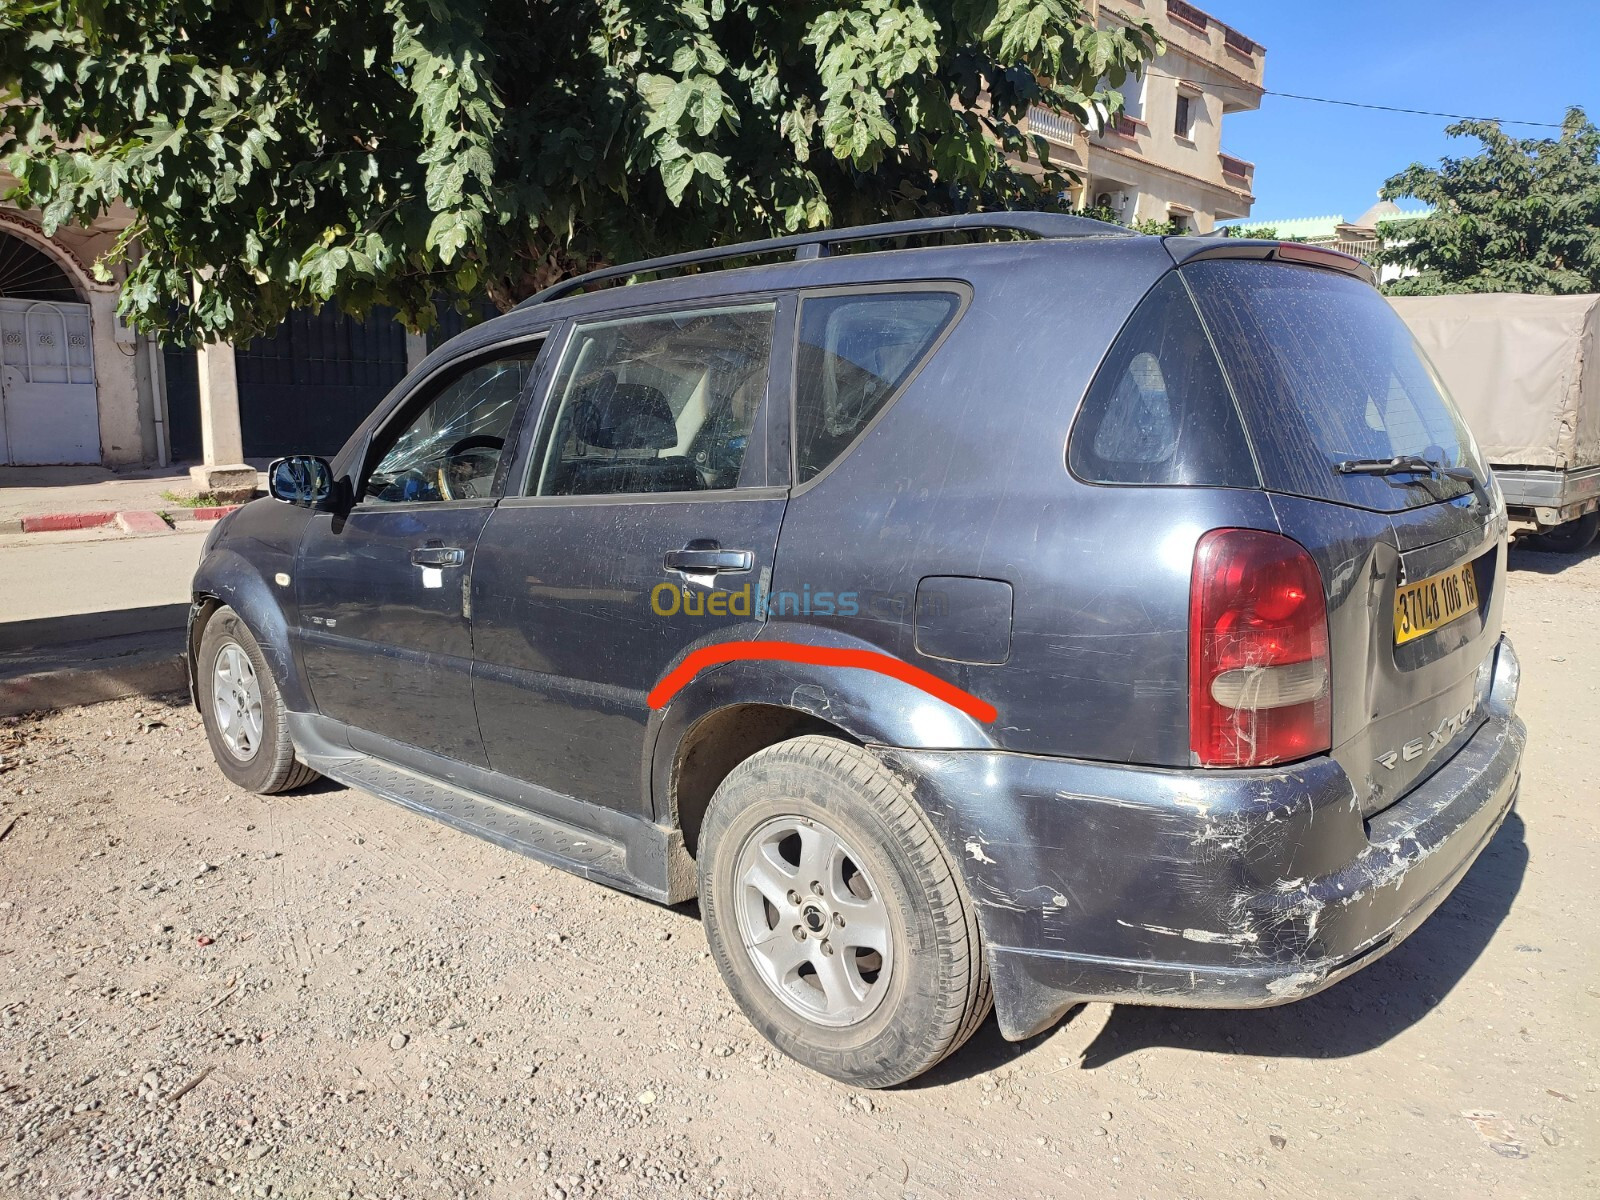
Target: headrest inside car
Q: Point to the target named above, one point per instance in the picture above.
(624, 416)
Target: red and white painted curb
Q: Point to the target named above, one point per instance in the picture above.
(128, 520)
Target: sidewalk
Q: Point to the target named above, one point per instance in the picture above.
(93, 614)
(30, 493)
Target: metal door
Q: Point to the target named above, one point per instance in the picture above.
(48, 407)
(628, 550)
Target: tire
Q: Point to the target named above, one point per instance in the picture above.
(869, 1021)
(246, 722)
(1569, 537)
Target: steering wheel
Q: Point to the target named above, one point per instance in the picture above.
(478, 441)
(463, 488)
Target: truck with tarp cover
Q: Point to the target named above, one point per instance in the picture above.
(1525, 373)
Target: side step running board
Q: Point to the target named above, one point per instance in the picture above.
(578, 851)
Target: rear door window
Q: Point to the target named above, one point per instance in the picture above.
(1324, 372)
(855, 352)
(662, 403)
(1158, 411)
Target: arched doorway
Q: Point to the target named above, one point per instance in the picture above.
(49, 412)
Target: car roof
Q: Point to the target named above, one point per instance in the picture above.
(973, 263)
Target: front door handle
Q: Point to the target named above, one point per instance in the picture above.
(705, 557)
(438, 556)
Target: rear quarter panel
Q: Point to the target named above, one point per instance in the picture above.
(966, 475)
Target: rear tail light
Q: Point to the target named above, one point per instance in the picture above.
(1258, 651)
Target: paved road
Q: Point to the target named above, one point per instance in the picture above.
(94, 571)
(204, 992)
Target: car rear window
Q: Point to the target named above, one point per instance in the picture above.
(1158, 411)
(1324, 371)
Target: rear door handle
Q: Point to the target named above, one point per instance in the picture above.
(438, 556)
(703, 557)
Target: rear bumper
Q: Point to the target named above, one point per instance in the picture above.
(1550, 495)
(1204, 889)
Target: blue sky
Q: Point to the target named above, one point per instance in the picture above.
(1525, 59)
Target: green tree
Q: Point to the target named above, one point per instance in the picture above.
(1523, 215)
(279, 153)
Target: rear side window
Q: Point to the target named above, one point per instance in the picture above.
(1325, 371)
(855, 351)
(1159, 411)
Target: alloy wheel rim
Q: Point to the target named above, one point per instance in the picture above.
(813, 922)
(236, 701)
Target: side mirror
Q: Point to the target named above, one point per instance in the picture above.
(301, 479)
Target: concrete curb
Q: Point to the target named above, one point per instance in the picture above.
(132, 520)
(142, 522)
(109, 669)
(57, 522)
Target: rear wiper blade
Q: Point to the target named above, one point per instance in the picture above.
(1404, 464)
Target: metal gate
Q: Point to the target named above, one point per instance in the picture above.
(48, 407)
(304, 389)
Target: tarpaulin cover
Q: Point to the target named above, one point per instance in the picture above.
(1524, 370)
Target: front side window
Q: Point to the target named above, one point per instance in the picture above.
(855, 351)
(450, 448)
(657, 404)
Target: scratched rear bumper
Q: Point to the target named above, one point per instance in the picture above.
(1232, 889)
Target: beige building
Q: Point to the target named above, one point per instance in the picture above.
(1163, 158)
(76, 385)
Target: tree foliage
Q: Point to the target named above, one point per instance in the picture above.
(1523, 215)
(280, 153)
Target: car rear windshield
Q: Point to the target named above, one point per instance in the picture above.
(1326, 373)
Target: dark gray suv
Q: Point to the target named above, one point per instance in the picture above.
(1007, 608)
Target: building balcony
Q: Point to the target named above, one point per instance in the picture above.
(1195, 32)
(1237, 172)
(1053, 127)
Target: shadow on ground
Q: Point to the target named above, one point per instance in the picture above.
(1358, 1014)
(1542, 562)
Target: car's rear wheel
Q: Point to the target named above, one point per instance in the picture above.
(835, 915)
(1568, 537)
(246, 722)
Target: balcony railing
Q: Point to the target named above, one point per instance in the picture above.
(1362, 248)
(1052, 126)
(1188, 14)
(1237, 41)
(1237, 170)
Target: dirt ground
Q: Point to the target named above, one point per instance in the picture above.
(207, 993)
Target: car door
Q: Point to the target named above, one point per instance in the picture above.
(384, 589)
(647, 521)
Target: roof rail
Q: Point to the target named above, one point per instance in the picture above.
(821, 243)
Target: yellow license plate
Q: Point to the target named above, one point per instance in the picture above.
(1432, 603)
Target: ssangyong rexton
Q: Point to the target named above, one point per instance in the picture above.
(1084, 617)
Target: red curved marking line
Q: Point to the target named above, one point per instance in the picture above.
(819, 656)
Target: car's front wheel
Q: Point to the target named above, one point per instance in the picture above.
(835, 915)
(246, 722)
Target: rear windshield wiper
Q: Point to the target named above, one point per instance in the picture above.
(1404, 464)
